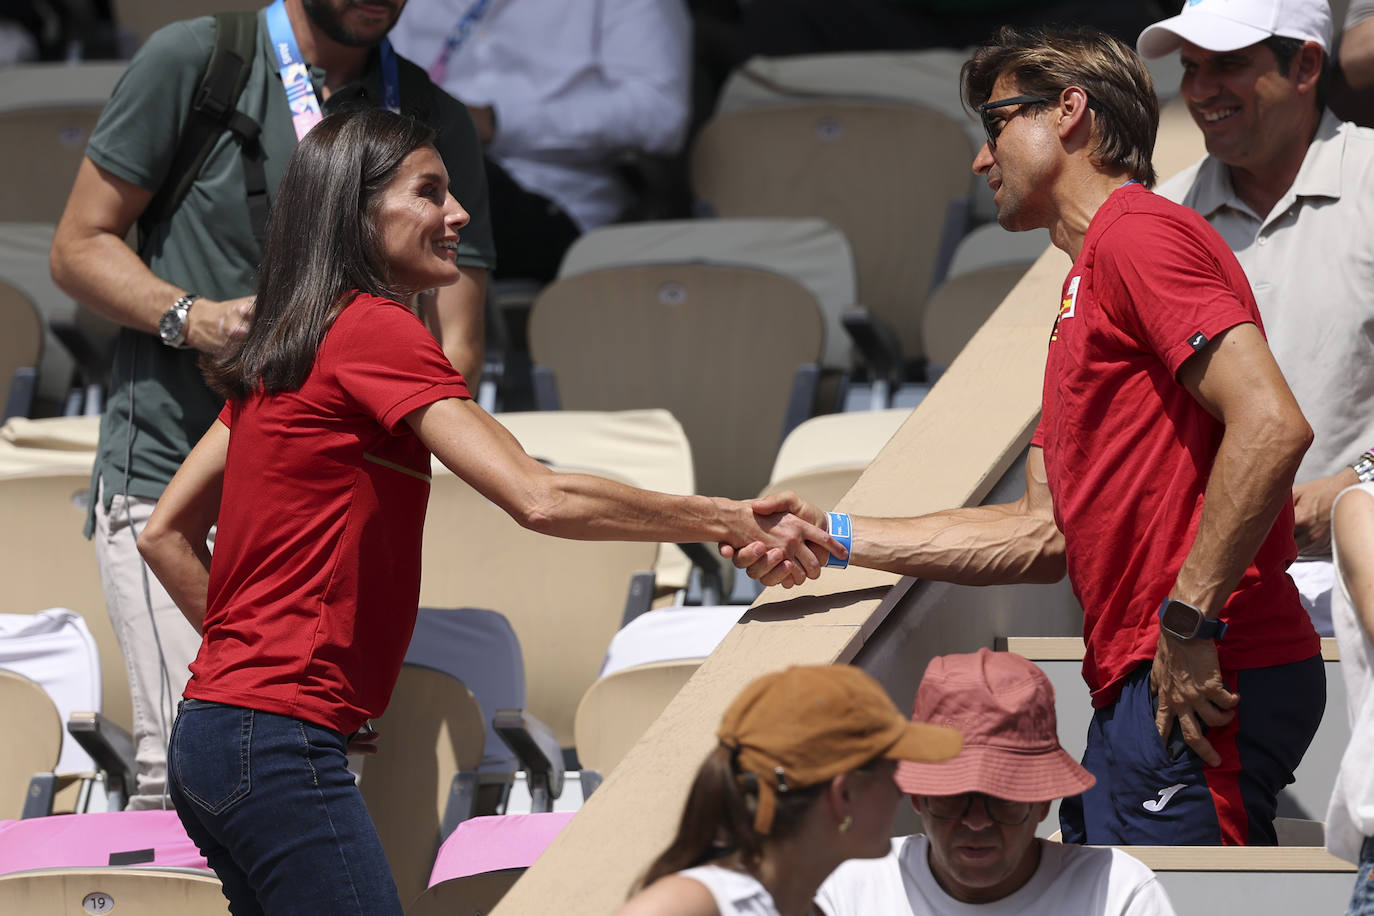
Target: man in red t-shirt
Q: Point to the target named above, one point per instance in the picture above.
(1159, 477)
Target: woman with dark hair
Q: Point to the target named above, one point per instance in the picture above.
(317, 473)
(801, 780)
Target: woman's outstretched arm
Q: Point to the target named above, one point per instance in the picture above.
(483, 452)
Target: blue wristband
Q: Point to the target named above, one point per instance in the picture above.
(842, 531)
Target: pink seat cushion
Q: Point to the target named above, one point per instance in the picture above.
(90, 839)
(484, 844)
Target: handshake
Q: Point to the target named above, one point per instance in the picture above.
(784, 542)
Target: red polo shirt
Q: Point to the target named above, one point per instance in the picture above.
(315, 578)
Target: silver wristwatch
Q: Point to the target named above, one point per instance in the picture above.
(171, 327)
(1364, 467)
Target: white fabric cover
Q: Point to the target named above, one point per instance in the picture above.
(670, 633)
(54, 649)
(47, 446)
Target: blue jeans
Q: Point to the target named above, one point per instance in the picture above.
(271, 804)
(1362, 900)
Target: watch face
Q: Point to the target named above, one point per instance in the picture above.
(1181, 620)
(171, 326)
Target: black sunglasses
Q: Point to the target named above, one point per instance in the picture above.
(1001, 810)
(993, 127)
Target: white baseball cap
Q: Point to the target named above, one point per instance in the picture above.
(1227, 25)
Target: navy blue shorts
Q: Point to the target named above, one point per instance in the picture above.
(1149, 795)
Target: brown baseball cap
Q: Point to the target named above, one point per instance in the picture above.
(806, 724)
(1004, 706)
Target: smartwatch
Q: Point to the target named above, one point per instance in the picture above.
(1183, 621)
(171, 327)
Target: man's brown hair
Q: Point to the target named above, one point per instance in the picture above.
(1045, 62)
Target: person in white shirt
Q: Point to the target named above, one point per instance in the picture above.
(563, 92)
(979, 855)
(1350, 818)
(800, 780)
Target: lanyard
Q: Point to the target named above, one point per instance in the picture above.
(295, 75)
(454, 40)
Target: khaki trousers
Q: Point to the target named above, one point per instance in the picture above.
(157, 641)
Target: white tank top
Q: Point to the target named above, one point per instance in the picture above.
(736, 893)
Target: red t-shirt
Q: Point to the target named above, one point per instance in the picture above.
(1128, 449)
(315, 578)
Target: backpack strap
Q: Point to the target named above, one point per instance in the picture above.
(213, 111)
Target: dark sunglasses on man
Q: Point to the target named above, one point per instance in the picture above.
(993, 125)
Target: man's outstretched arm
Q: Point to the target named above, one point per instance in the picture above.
(983, 545)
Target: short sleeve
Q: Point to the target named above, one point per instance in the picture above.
(1180, 296)
(156, 89)
(226, 414)
(387, 362)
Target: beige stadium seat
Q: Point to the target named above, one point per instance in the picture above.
(886, 174)
(811, 251)
(987, 263)
(144, 17)
(837, 439)
(117, 891)
(822, 488)
(959, 306)
(564, 598)
(929, 76)
(719, 346)
(47, 112)
(647, 448)
(616, 710)
(46, 562)
(34, 743)
(432, 730)
(21, 347)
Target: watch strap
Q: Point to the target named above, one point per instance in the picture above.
(1211, 629)
(1364, 466)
